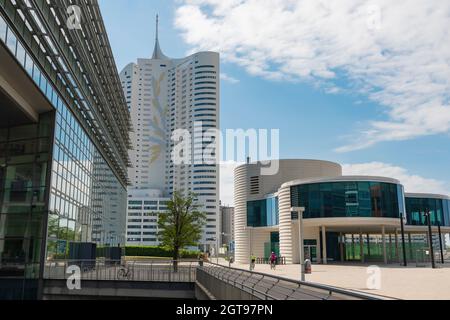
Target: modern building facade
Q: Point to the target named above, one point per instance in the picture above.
(346, 218)
(64, 140)
(164, 96)
(226, 226)
(142, 216)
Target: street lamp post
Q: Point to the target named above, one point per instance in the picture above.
(223, 234)
(250, 246)
(300, 211)
(405, 263)
(430, 234)
(440, 243)
(217, 250)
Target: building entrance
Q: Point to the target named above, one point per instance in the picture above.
(310, 250)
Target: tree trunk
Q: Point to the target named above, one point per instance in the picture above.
(175, 259)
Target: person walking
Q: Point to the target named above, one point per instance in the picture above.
(273, 261)
(252, 262)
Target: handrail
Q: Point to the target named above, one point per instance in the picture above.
(121, 270)
(329, 290)
(252, 290)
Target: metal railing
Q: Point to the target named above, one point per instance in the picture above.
(280, 261)
(147, 270)
(268, 287)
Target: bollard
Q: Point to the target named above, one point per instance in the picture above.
(308, 266)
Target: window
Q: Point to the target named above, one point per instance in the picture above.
(348, 199)
(263, 213)
(2, 29)
(11, 41)
(417, 207)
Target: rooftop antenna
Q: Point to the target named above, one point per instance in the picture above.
(157, 26)
(157, 53)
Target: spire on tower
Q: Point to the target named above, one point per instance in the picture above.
(157, 26)
(157, 52)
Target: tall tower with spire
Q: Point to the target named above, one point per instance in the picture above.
(157, 53)
(165, 94)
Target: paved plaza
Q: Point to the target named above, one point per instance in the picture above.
(410, 283)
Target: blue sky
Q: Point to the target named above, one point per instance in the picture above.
(369, 92)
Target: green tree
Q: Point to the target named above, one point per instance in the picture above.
(181, 225)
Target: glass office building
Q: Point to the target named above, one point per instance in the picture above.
(63, 141)
(346, 218)
(418, 205)
(349, 199)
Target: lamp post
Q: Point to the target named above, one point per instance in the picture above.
(250, 246)
(428, 216)
(402, 221)
(440, 243)
(297, 214)
(217, 249)
(223, 234)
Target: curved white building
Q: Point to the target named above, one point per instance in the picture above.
(346, 218)
(251, 185)
(165, 95)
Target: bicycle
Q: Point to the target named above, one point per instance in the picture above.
(124, 274)
(273, 265)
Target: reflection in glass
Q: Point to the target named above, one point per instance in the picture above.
(348, 199)
(417, 207)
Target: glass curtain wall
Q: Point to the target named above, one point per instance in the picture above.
(349, 199)
(416, 246)
(263, 213)
(87, 201)
(24, 165)
(417, 207)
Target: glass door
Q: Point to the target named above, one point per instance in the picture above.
(310, 250)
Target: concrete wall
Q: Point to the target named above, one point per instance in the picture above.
(57, 290)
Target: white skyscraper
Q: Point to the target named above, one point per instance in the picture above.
(165, 95)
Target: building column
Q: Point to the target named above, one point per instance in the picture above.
(319, 249)
(353, 247)
(341, 246)
(390, 247)
(324, 246)
(397, 251)
(411, 253)
(361, 247)
(383, 232)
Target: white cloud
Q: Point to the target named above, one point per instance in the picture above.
(230, 79)
(413, 183)
(395, 52)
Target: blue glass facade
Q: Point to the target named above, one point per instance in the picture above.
(447, 212)
(349, 199)
(263, 213)
(438, 208)
(87, 202)
(55, 185)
